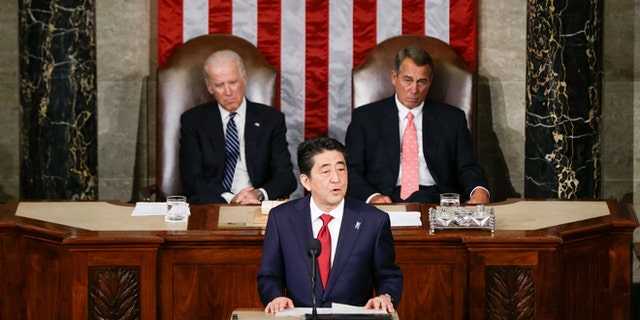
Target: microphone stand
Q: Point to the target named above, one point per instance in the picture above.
(314, 263)
(313, 249)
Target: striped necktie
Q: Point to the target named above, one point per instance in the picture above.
(232, 152)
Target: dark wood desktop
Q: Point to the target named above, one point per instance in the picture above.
(579, 270)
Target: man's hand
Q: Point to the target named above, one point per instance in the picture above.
(246, 196)
(278, 304)
(480, 196)
(381, 302)
(380, 199)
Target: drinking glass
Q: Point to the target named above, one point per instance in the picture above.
(449, 202)
(177, 208)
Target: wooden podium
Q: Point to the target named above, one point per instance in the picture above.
(79, 270)
(259, 314)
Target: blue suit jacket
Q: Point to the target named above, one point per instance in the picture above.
(364, 258)
(202, 152)
(373, 145)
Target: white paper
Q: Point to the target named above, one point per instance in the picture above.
(335, 308)
(149, 209)
(405, 218)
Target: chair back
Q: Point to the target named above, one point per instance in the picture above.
(453, 80)
(181, 86)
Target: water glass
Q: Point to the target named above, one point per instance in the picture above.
(449, 201)
(177, 208)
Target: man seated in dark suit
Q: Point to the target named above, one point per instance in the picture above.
(407, 148)
(357, 257)
(233, 150)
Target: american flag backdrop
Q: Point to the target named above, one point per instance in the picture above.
(316, 43)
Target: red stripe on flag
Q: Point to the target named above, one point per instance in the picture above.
(364, 29)
(270, 34)
(463, 21)
(317, 68)
(413, 16)
(220, 16)
(169, 28)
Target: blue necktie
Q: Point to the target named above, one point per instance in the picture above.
(232, 151)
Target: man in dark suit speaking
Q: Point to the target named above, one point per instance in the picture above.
(407, 148)
(233, 150)
(357, 258)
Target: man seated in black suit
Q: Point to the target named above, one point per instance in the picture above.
(233, 150)
(407, 148)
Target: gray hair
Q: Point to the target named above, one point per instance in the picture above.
(224, 56)
(419, 56)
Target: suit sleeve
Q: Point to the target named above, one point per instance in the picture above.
(470, 175)
(387, 275)
(271, 283)
(281, 181)
(355, 142)
(200, 183)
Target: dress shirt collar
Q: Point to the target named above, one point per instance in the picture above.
(402, 110)
(336, 213)
(242, 110)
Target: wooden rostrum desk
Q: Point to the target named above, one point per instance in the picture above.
(72, 270)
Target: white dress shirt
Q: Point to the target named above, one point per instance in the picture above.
(334, 224)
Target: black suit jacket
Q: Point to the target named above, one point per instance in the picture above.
(364, 258)
(373, 145)
(202, 152)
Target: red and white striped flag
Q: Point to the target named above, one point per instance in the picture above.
(315, 44)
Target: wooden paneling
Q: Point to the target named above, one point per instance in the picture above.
(576, 271)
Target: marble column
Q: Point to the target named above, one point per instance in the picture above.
(58, 134)
(563, 99)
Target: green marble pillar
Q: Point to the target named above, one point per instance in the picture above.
(563, 99)
(58, 134)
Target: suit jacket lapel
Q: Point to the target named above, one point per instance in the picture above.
(301, 226)
(390, 124)
(215, 133)
(352, 222)
(431, 131)
(252, 137)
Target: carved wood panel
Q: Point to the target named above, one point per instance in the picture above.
(510, 293)
(114, 293)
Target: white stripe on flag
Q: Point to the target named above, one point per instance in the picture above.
(195, 19)
(389, 19)
(437, 19)
(292, 76)
(245, 20)
(340, 64)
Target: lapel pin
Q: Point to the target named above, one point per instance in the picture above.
(357, 226)
(257, 124)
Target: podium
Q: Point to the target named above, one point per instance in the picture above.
(259, 314)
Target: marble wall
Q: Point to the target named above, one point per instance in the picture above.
(125, 36)
(58, 107)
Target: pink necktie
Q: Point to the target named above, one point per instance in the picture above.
(324, 260)
(409, 159)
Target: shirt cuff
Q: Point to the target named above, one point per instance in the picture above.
(483, 188)
(371, 196)
(227, 196)
(264, 192)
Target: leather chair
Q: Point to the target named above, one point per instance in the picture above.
(453, 80)
(181, 86)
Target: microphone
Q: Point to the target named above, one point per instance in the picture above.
(314, 247)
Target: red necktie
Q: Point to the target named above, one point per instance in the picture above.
(324, 260)
(409, 159)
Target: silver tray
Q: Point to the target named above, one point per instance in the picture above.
(478, 217)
